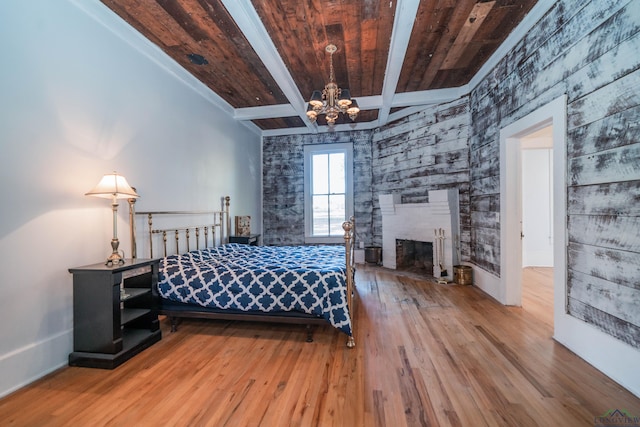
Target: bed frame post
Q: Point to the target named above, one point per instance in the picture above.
(150, 222)
(227, 232)
(132, 227)
(349, 241)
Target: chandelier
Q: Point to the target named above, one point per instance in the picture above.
(332, 100)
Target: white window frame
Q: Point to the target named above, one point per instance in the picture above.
(309, 151)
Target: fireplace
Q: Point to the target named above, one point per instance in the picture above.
(414, 256)
(436, 222)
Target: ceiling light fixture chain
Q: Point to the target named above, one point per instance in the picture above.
(332, 100)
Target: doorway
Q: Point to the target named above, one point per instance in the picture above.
(537, 224)
(552, 117)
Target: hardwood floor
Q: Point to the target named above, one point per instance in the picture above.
(537, 293)
(426, 354)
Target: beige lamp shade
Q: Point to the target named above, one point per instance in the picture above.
(113, 186)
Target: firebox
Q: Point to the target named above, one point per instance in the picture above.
(414, 256)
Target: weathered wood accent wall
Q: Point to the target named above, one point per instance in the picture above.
(283, 184)
(425, 151)
(589, 50)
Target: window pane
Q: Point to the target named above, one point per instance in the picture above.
(336, 173)
(337, 214)
(327, 180)
(320, 180)
(320, 225)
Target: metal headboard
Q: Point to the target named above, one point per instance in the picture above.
(217, 222)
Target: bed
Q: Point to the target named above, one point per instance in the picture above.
(203, 276)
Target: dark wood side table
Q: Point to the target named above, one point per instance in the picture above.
(113, 316)
(246, 240)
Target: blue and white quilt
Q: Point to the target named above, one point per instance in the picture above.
(307, 279)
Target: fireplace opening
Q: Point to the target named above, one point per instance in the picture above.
(414, 256)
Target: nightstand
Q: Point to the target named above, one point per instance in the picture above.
(246, 240)
(113, 318)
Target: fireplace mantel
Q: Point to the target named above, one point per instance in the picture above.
(422, 222)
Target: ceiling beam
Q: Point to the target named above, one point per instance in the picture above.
(406, 11)
(346, 127)
(265, 112)
(426, 97)
(407, 99)
(287, 110)
(247, 19)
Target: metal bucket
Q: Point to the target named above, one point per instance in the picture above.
(373, 254)
(462, 275)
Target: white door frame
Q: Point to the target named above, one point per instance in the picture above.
(615, 358)
(552, 114)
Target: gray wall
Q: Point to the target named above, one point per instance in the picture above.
(590, 51)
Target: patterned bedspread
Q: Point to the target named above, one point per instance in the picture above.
(308, 279)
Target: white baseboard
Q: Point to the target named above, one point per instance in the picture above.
(614, 358)
(30, 363)
(487, 282)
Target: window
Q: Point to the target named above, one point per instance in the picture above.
(328, 190)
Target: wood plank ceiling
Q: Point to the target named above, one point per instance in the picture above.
(264, 58)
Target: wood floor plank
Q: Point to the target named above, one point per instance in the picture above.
(426, 354)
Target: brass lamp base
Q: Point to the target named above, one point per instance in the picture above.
(115, 258)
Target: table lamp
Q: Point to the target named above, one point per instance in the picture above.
(113, 186)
